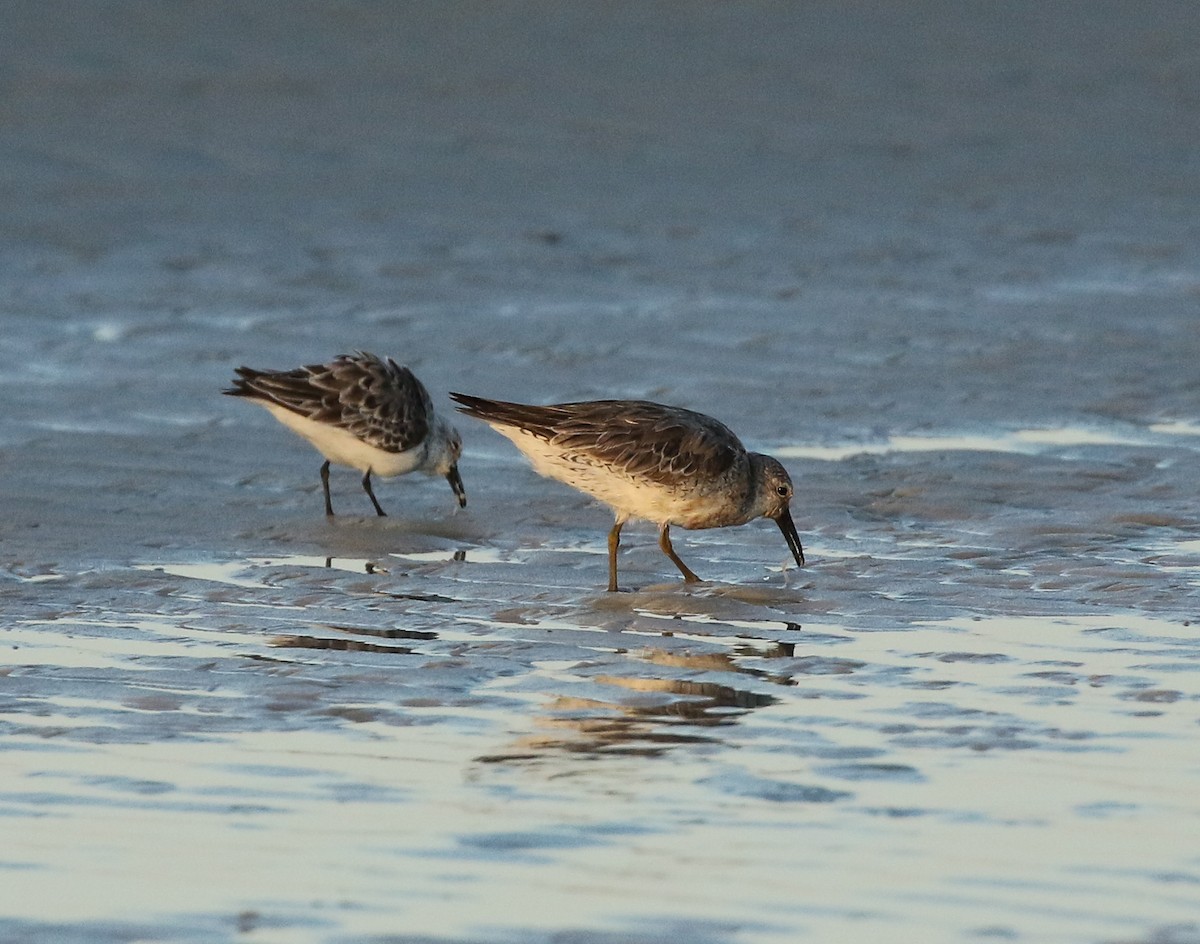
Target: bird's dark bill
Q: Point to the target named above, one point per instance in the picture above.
(789, 534)
(455, 481)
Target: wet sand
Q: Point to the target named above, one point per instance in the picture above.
(939, 258)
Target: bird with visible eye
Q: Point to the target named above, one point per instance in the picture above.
(647, 460)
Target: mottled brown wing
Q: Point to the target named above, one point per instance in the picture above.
(661, 443)
(380, 402)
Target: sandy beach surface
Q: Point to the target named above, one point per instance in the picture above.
(941, 258)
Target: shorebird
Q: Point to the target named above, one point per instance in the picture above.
(363, 412)
(646, 460)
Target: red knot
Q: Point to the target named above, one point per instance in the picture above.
(646, 460)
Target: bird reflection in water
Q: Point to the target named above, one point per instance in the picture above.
(347, 643)
(371, 567)
(659, 714)
(343, 645)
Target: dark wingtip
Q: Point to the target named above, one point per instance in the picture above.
(471, 406)
(241, 383)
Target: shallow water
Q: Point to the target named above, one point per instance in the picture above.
(917, 268)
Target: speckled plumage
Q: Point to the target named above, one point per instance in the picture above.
(647, 460)
(360, 411)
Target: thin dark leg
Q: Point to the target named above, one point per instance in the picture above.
(367, 485)
(325, 483)
(614, 541)
(664, 541)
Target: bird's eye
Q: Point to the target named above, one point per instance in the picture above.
(782, 491)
